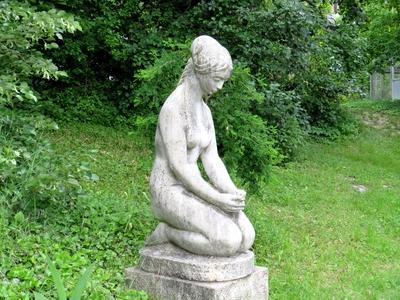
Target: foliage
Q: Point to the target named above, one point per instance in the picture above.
(61, 291)
(337, 71)
(298, 49)
(283, 110)
(308, 218)
(23, 28)
(383, 33)
(89, 232)
(106, 227)
(118, 39)
(113, 62)
(155, 83)
(72, 104)
(246, 141)
(30, 174)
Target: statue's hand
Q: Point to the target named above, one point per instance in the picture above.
(231, 203)
(241, 194)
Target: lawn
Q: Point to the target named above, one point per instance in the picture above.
(328, 224)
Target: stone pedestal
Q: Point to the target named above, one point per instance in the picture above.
(166, 272)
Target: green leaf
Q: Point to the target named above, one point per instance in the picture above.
(50, 46)
(39, 296)
(80, 287)
(84, 168)
(19, 217)
(57, 280)
(94, 177)
(73, 181)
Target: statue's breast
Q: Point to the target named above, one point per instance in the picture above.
(198, 137)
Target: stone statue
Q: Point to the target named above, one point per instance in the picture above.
(202, 218)
(200, 248)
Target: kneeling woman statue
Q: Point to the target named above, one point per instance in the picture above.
(202, 218)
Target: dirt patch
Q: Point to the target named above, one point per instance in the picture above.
(380, 120)
(375, 120)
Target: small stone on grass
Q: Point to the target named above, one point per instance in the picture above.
(360, 188)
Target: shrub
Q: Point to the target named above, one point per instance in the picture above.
(285, 43)
(30, 174)
(246, 141)
(76, 104)
(155, 83)
(283, 110)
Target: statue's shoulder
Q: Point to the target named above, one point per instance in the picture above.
(173, 105)
(208, 113)
(207, 109)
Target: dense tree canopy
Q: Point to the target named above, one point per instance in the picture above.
(128, 55)
(293, 53)
(382, 31)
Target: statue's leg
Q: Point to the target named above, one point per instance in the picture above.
(196, 225)
(165, 233)
(247, 230)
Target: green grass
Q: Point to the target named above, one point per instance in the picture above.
(319, 236)
(107, 226)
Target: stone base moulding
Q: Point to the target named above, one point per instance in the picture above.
(166, 272)
(171, 261)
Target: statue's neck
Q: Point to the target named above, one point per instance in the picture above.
(194, 104)
(194, 93)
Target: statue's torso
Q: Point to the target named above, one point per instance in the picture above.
(197, 138)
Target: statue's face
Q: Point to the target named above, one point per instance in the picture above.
(213, 82)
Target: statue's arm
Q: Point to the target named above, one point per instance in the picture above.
(174, 139)
(214, 166)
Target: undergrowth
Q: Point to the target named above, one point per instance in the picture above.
(317, 233)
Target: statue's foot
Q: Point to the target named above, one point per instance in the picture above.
(158, 236)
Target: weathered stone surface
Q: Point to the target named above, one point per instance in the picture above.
(168, 260)
(201, 215)
(251, 287)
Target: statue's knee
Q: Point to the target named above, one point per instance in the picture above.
(229, 241)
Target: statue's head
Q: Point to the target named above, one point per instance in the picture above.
(210, 62)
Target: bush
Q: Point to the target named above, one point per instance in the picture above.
(304, 64)
(288, 43)
(154, 84)
(73, 104)
(283, 110)
(31, 174)
(246, 141)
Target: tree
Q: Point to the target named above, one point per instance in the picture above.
(24, 32)
(382, 31)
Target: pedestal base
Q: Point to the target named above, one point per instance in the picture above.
(171, 261)
(251, 287)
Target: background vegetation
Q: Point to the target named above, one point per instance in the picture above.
(318, 235)
(288, 46)
(63, 192)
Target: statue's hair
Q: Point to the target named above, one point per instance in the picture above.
(208, 56)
